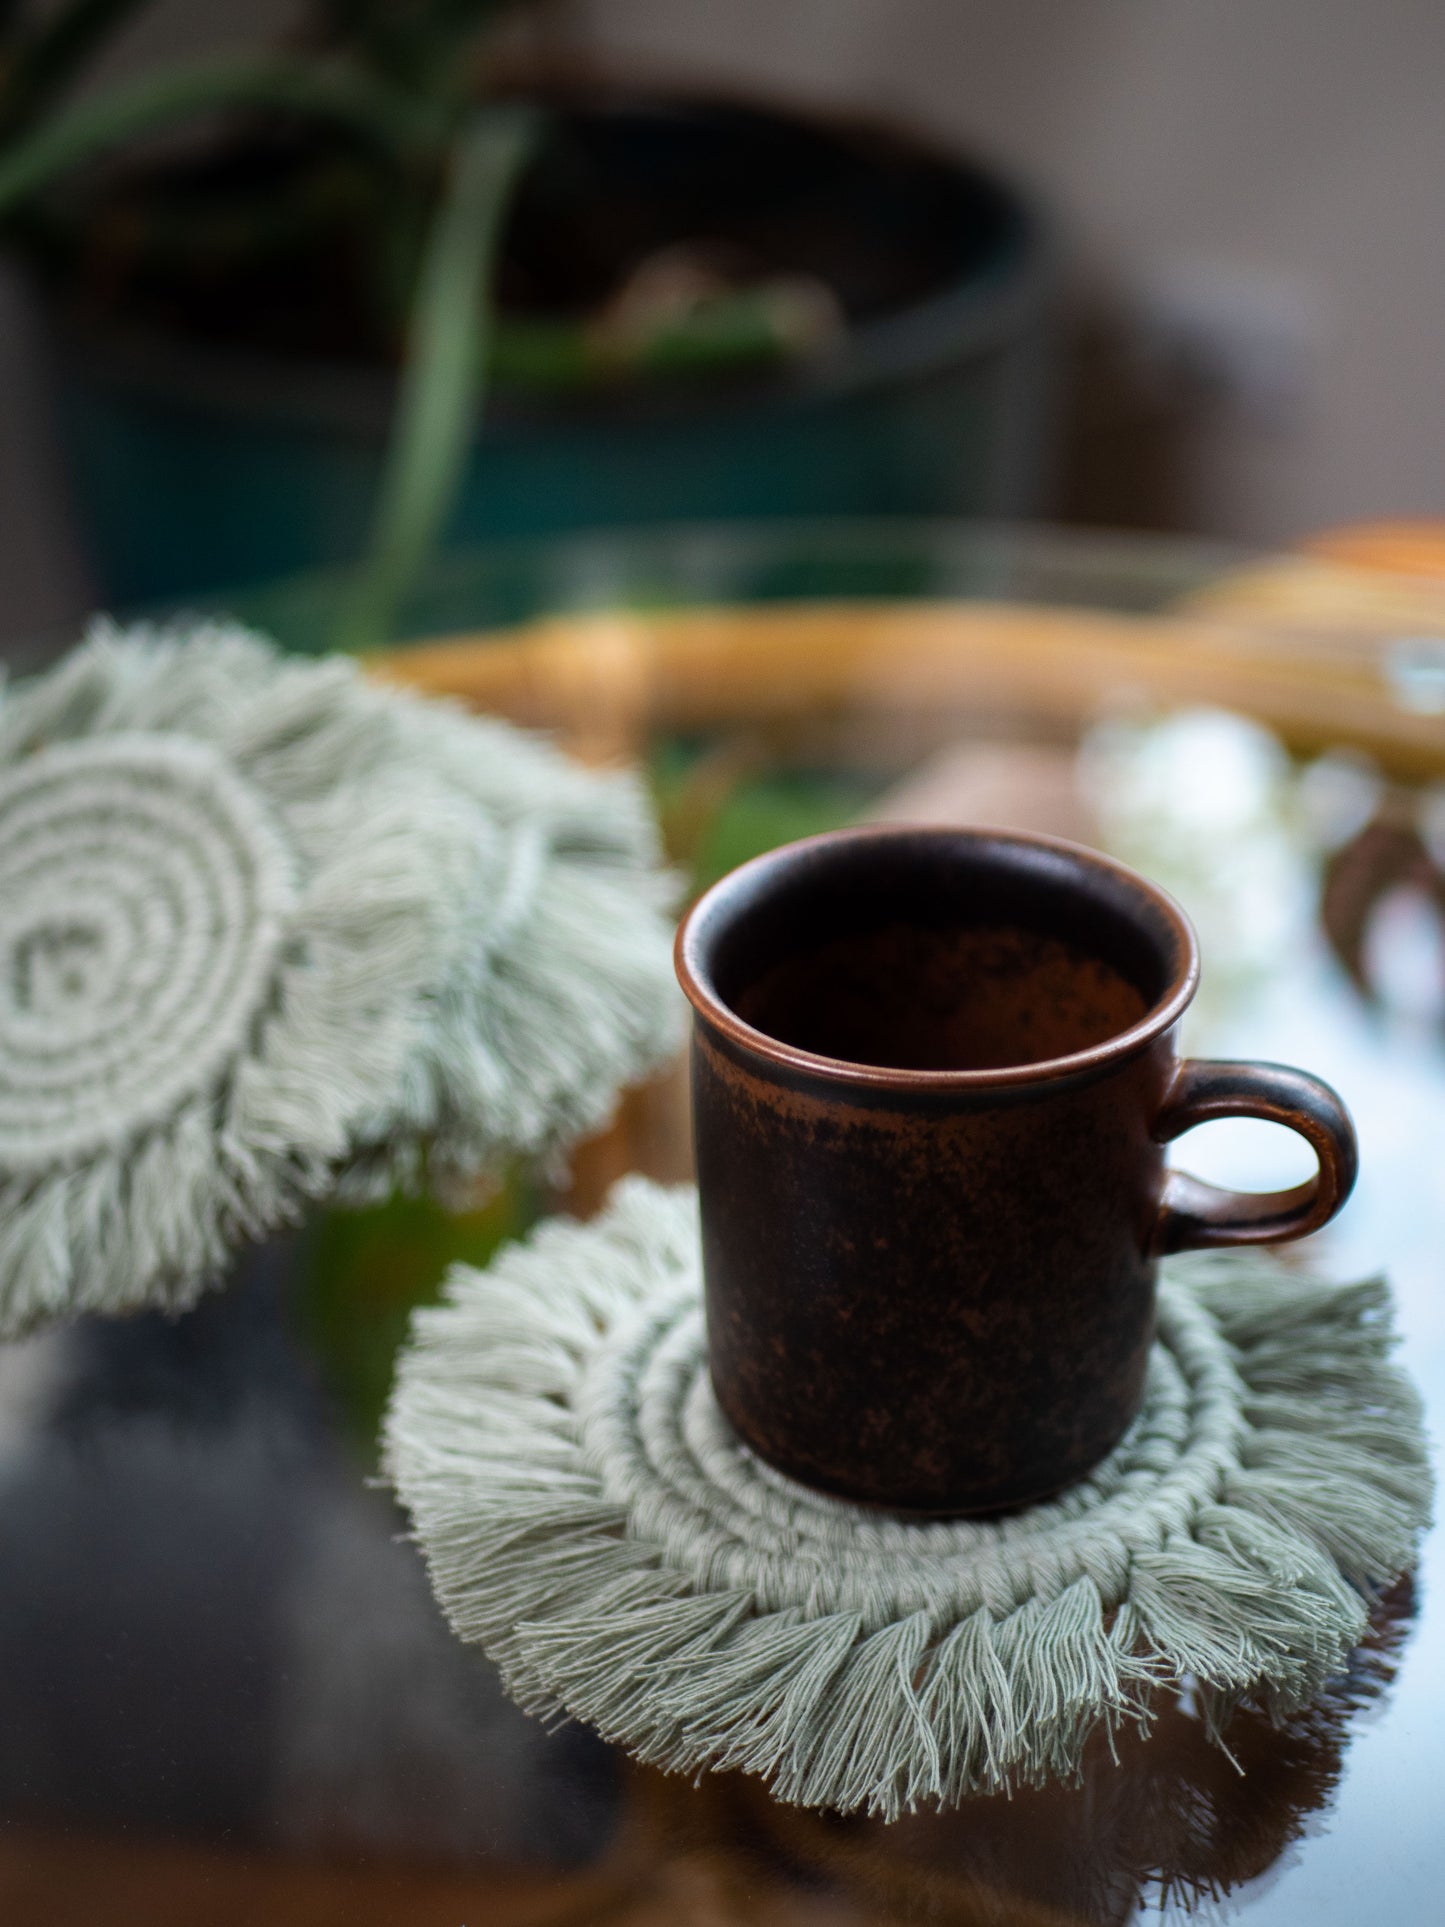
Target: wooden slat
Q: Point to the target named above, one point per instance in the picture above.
(91, 1880)
(606, 682)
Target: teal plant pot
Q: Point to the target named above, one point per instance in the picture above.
(197, 466)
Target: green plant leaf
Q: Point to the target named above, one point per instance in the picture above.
(449, 350)
(48, 60)
(420, 45)
(290, 83)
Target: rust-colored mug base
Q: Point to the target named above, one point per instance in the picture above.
(992, 1501)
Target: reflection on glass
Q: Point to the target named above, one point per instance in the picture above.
(1173, 1823)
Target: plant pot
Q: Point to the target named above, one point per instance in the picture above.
(197, 465)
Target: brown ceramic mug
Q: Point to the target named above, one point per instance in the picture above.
(934, 1071)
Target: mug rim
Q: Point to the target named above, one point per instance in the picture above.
(695, 977)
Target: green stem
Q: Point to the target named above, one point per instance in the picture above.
(295, 85)
(423, 47)
(46, 64)
(451, 324)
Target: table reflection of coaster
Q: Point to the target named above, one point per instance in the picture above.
(589, 1518)
(1170, 1818)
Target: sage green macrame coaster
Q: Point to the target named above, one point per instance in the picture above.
(589, 1518)
(270, 934)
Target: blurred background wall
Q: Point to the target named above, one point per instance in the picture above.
(1269, 175)
(1249, 195)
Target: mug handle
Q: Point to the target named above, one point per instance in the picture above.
(1195, 1216)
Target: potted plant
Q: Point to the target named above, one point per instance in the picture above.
(272, 337)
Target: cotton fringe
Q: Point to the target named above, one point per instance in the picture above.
(588, 1518)
(271, 934)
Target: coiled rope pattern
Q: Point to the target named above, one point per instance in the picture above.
(143, 897)
(722, 1516)
(271, 935)
(589, 1519)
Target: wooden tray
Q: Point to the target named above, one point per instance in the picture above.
(606, 683)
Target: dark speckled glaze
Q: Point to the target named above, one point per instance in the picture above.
(930, 1283)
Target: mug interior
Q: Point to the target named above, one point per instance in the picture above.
(940, 950)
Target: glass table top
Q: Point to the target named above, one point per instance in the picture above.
(225, 1692)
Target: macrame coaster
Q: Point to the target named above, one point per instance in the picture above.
(589, 1518)
(269, 933)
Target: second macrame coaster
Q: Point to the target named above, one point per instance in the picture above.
(270, 935)
(589, 1519)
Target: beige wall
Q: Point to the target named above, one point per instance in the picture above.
(1297, 144)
